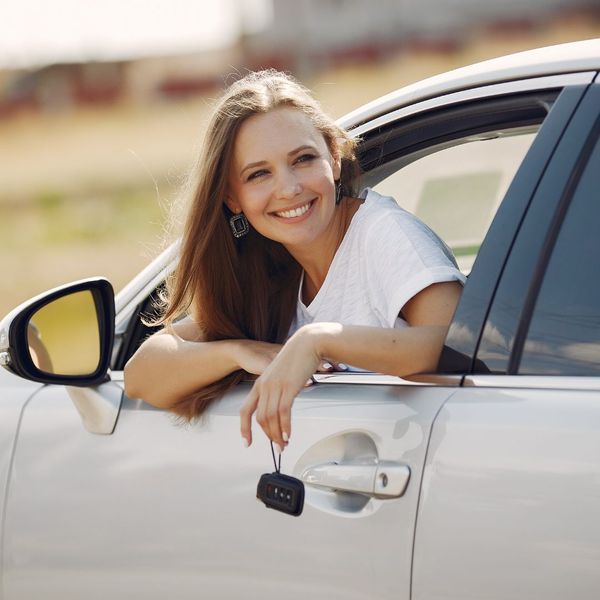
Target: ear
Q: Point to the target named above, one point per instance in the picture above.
(336, 166)
(233, 205)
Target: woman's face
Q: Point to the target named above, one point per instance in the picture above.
(282, 177)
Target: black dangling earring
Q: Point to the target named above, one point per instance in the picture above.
(338, 192)
(239, 225)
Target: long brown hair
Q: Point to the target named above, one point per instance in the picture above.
(247, 287)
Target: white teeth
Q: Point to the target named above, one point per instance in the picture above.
(295, 212)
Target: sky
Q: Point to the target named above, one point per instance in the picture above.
(36, 32)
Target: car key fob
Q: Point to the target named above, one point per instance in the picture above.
(281, 492)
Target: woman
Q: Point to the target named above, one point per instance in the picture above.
(277, 249)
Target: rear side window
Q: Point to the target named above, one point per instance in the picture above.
(564, 332)
(456, 190)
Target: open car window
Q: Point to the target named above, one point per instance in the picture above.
(457, 189)
(450, 167)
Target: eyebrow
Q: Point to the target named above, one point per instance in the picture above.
(260, 163)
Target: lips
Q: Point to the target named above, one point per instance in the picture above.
(298, 211)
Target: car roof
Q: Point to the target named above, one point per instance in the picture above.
(550, 60)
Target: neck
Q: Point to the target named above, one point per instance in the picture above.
(317, 259)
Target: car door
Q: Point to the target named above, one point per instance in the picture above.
(509, 505)
(15, 392)
(160, 509)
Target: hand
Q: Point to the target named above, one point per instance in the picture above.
(274, 391)
(254, 357)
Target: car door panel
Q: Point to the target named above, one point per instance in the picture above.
(157, 507)
(509, 505)
(15, 394)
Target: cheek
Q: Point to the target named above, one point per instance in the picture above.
(321, 176)
(253, 202)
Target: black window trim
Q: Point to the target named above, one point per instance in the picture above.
(443, 125)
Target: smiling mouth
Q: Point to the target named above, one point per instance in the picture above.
(295, 212)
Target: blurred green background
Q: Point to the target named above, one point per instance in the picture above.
(96, 142)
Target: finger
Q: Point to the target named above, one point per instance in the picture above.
(285, 420)
(246, 412)
(325, 367)
(264, 411)
(340, 367)
(273, 427)
(261, 412)
(267, 414)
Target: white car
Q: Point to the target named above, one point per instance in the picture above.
(480, 480)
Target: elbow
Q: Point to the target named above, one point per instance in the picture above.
(132, 388)
(137, 384)
(431, 355)
(135, 379)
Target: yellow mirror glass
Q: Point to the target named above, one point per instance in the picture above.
(63, 336)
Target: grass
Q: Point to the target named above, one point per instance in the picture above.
(59, 238)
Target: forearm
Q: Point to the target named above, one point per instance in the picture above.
(398, 352)
(166, 368)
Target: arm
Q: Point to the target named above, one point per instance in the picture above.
(37, 349)
(175, 362)
(400, 352)
(391, 351)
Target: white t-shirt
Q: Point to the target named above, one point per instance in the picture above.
(386, 257)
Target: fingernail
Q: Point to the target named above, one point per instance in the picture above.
(343, 367)
(285, 436)
(278, 449)
(245, 442)
(327, 365)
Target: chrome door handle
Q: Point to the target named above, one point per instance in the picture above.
(381, 480)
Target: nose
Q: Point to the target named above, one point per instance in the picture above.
(288, 185)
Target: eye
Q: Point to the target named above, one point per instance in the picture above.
(305, 158)
(256, 174)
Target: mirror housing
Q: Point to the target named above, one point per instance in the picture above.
(16, 329)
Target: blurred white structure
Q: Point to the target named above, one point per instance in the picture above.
(307, 31)
(299, 36)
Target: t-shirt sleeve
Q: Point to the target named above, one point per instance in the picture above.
(401, 257)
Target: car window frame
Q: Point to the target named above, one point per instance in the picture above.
(508, 110)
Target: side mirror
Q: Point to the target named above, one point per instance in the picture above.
(64, 336)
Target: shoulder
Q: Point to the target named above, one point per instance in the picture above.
(187, 329)
(384, 211)
(396, 239)
(383, 222)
